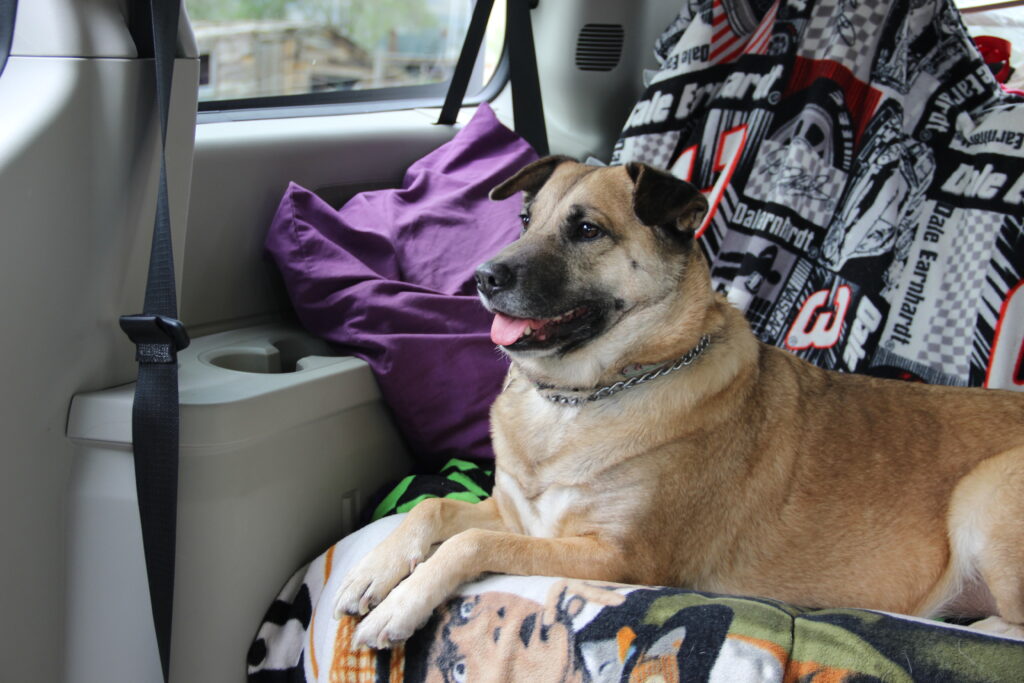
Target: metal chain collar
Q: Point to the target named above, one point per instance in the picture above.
(612, 389)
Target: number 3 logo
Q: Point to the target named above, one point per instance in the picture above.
(819, 323)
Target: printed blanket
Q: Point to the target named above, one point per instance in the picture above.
(866, 177)
(507, 628)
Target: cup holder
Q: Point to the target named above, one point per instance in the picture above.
(289, 354)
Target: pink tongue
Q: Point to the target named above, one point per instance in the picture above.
(506, 331)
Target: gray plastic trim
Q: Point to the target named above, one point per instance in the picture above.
(84, 28)
(282, 442)
(72, 28)
(585, 110)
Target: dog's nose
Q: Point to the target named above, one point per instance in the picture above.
(493, 277)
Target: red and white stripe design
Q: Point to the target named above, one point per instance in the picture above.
(727, 45)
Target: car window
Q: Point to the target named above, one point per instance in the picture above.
(255, 52)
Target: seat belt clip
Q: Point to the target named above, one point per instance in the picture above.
(157, 338)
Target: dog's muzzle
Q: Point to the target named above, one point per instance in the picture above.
(532, 311)
(493, 277)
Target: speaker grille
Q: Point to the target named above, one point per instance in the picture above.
(599, 47)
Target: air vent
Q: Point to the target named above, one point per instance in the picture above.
(599, 47)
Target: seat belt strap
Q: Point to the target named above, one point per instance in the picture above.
(527, 107)
(467, 60)
(158, 336)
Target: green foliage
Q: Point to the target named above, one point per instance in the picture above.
(367, 22)
(234, 10)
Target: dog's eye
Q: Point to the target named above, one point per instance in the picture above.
(524, 218)
(588, 231)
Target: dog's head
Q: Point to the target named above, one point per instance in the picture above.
(602, 256)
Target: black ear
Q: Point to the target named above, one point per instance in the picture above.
(661, 199)
(530, 178)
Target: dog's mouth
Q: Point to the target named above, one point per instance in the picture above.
(522, 334)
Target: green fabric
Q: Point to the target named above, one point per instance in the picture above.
(461, 465)
(459, 480)
(471, 486)
(390, 503)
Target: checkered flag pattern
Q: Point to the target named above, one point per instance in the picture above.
(809, 186)
(844, 31)
(655, 149)
(947, 344)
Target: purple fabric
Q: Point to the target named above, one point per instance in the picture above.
(389, 278)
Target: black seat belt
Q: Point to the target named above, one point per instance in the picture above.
(158, 336)
(527, 107)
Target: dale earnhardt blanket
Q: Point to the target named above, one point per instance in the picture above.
(866, 177)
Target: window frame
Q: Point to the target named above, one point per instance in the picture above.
(992, 5)
(330, 103)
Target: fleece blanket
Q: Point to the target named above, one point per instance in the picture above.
(506, 628)
(866, 177)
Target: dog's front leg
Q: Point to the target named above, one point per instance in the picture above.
(476, 551)
(429, 523)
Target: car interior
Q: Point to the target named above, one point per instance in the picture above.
(290, 437)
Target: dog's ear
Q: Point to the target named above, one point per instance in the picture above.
(530, 178)
(661, 199)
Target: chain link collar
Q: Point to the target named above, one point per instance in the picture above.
(610, 390)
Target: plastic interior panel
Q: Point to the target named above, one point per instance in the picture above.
(72, 28)
(83, 28)
(585, 110)
(277, 457)
(78, 171)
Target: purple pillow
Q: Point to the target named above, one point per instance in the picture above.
(389, 279)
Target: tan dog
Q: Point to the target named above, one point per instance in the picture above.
(722, 464)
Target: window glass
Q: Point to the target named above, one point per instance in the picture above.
(269, 48)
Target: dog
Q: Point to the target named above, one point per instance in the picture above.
(644, 435)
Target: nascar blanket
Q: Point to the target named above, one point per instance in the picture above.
(545, 629)
(866, 179)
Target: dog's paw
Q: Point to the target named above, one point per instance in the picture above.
(395, 619)
(370, 581)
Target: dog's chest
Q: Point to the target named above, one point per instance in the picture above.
(540, 513)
